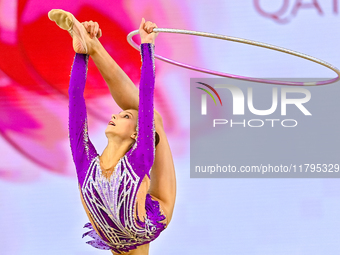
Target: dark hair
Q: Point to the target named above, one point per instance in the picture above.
(157, 139)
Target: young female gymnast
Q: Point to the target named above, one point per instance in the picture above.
(129, 191)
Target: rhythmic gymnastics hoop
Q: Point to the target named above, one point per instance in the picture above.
(240, 40)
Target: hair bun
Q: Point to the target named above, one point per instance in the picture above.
(157, 139)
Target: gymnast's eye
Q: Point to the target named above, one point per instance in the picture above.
(126, 115)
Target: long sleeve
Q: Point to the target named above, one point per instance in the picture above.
(142, 154)
(82, 149)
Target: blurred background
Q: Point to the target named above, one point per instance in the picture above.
(40, 207)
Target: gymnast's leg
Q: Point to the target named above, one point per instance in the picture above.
(122, 89)
(85, 40)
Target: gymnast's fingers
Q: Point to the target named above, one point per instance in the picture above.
(147, 26)
(100, 33)
(92, 29)
(151, 26)
(154, 26)
(142, 25)
(86, 25)
(96, 28)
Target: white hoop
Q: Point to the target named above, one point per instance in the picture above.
(245, 41)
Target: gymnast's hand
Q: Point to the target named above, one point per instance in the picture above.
(92, 28)
(145, 31)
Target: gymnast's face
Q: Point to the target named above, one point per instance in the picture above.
(123, 125)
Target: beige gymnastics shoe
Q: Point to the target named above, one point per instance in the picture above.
(67, 21)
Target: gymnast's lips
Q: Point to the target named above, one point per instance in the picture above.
(112, 123)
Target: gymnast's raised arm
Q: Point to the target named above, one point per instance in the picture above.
(122, 89)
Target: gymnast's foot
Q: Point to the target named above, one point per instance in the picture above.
(66, 21)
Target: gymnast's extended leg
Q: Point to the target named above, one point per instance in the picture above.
(122, 89)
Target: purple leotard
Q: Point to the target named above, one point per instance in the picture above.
(112, 202)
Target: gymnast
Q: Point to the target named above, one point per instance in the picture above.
(129, 191)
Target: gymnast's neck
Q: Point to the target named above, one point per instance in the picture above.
(116, 148)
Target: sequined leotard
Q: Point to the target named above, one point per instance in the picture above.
(111, 203)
